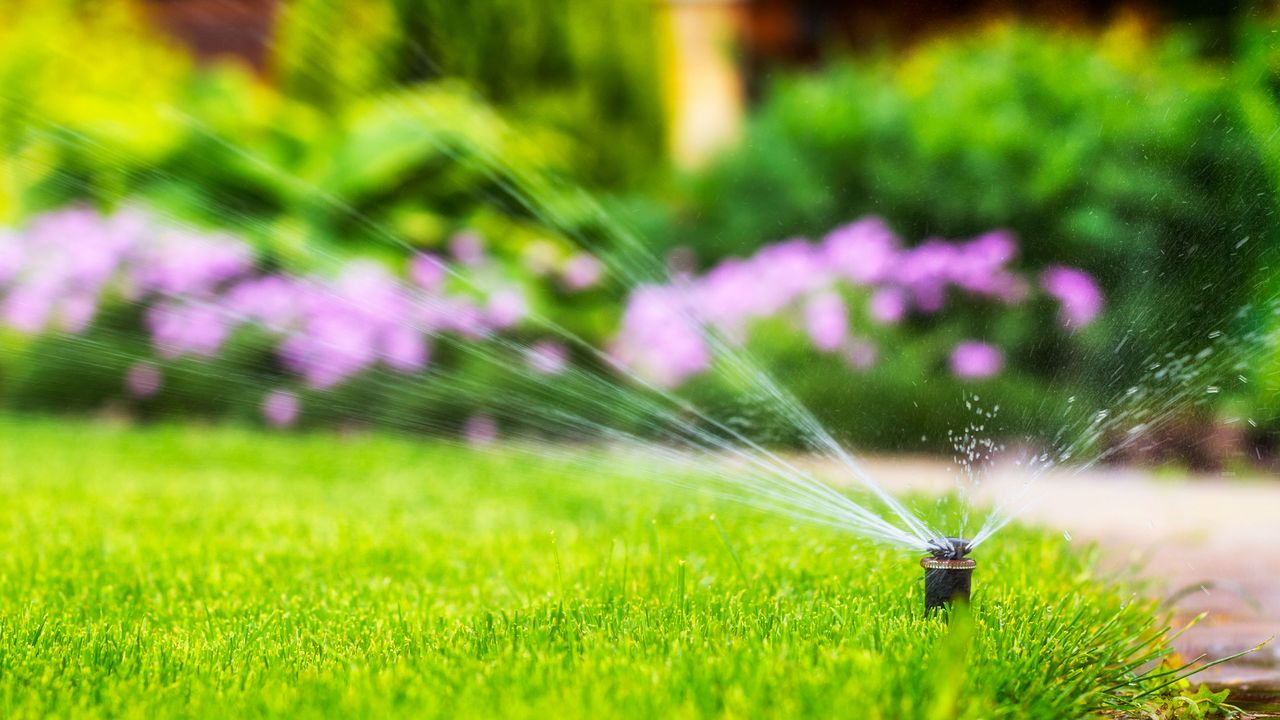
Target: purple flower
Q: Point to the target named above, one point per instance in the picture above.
(925, 271)
(862, 252)
(724, 296)
(178, 330)
(333, 345)
(427, 271)
(198, 288)
(57, 268)
(404, 348)
(506, 307)
(1076, 291)
(27, 308)
(783, 272)
(679, 353)
(888, 306)
(548, 357)
(972, 360)
(480, 430)
(993, 249)
(660, 339)
(77, 311)
(272, 300)
(142, 380)
(366, 288)
(280, 408)
(349, 325)
(460, 315)
(979, 267)
(467, 248)
(178, 262)
(826, 321)
(582, 271)
(12, 256)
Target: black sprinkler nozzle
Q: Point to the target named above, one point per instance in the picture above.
(948, 574)
(949, 548)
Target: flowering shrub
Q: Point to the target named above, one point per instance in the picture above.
(199, 298)
(1122, 154)
(199, 288)
(663, 329)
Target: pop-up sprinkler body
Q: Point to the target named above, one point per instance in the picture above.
(948, 574)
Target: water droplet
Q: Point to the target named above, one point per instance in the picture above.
(1066, 535)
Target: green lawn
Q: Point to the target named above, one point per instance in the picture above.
(215, 572)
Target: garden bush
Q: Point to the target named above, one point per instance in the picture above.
(152, 318)
(86, 120)
(1120, 154)
(366, 172)
(878, 339)
(591, 70)
(295, 186)
(1258, 83)
(134, 312)
(1131, 160)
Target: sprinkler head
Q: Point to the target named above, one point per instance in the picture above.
(948, 574)
(949, 548)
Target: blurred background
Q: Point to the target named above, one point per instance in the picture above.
(1041, 204)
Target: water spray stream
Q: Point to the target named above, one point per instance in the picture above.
(683, 444)
(720, 438)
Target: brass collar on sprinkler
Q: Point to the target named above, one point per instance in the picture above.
(933, 563)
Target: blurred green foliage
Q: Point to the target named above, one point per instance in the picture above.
(98, 109)
(84, 89)
(1258, 73)
(589, 69)
(373, 166)
(1138, 159)
(1128, 156)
